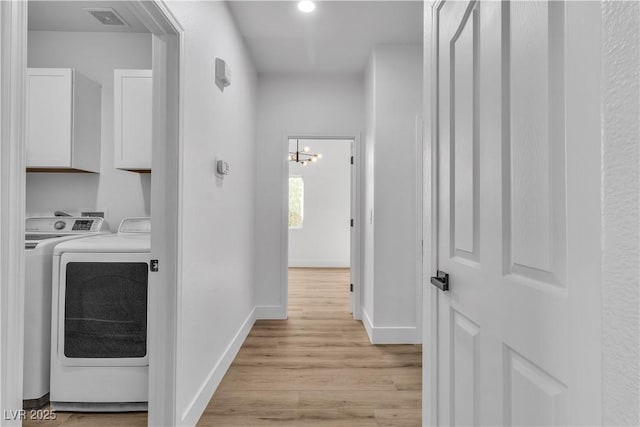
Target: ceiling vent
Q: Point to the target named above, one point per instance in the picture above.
(107, 16)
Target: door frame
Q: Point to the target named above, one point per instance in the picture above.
(166, 205)
(13, 67)
(168, 52)
(430, 214)
(357, 216)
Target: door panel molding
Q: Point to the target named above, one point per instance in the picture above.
(463, 73)
(464, 335)
(534, 208)
(531, 393)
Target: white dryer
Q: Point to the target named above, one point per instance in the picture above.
(99, 329)
(42, 234)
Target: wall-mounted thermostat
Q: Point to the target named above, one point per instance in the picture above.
(223, 74)
(222, 168)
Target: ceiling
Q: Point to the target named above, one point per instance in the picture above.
(71, 16)
(337, 37)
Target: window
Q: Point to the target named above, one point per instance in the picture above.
(296, 201)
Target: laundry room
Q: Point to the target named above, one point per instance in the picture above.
(88, 190)
(99, 158)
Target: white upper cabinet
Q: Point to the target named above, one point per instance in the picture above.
(63, 121)
(132, 120)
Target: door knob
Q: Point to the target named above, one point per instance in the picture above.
(441, 281)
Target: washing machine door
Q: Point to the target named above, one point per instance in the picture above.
(102, 309)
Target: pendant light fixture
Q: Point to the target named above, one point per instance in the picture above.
(303, 156)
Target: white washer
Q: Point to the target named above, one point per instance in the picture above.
(42, 234)
(99, 328)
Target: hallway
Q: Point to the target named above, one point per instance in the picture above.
(494, 212)
(317, 367)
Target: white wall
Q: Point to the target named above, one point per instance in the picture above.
(95, 55)
(292, 104)
(394, 83)
(620, 213)
(323, 240)
(216, 290)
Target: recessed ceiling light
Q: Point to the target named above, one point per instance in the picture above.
(306, 6)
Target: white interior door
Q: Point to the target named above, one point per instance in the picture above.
(518, 212)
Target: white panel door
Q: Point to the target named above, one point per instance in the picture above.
(518, 212)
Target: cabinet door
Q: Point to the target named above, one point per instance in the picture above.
(132, 119)
(49, 113)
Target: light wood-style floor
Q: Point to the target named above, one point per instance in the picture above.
(315, 369)
(318, 368)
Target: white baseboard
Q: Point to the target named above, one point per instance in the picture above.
(198, 404)
(368, 324)
(270, 312)
(390, 334)
(319, 263)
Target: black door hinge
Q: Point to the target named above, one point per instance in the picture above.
(153, 265)
(351, 222)
(351, 287)
(351, 159)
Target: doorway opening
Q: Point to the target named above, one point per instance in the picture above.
(322, 238)
(55, 63)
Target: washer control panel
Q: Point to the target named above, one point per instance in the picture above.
(71, 225)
